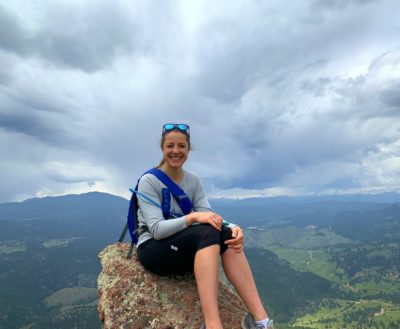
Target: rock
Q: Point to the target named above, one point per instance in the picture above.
(132, 298)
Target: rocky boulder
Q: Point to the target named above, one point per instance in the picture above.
(132, 298)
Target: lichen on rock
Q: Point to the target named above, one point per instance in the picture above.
(132, 298)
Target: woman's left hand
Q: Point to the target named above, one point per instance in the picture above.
(237, 241)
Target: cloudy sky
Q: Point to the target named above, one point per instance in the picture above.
(283, 98)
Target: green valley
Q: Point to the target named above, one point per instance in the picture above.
(364, 275)
(318, 264)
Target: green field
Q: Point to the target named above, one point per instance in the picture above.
(318, 265)
(294, 237)
(365, 274)
(374, 282)
(72, 296)
(304, 248)
(11, 246)
(315, 261)
(337, 314)
(58, 243)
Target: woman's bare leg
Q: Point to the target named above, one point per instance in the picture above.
(207, 278)
(238, 272)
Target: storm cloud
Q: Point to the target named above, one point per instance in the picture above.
(287, 99)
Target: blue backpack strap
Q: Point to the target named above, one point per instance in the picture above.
(131, 224)
(132, 214)
(183, 200)
(166, 203)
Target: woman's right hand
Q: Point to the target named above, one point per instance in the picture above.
(210, 218)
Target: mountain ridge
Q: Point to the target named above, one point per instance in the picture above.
(51, 244)
(384, 197)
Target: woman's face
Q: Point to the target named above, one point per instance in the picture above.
(175, 149)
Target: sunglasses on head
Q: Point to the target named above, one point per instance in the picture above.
(172, 126)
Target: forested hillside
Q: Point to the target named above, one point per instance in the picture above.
(318, 263)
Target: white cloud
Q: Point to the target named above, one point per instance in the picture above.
(281, 99)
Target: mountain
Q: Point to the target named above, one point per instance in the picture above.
(386, 197)
(49, 246)
(67, 207)
(64, 216)
(349, 214)
(310, 257)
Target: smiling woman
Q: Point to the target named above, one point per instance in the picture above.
(183, 234)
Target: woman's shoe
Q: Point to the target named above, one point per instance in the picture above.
(248, 322)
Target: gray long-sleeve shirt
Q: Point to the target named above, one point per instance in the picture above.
(150, 217)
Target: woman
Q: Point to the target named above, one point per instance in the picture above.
(179, 244)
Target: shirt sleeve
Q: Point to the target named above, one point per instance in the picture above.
(200, 200)
(152, 216)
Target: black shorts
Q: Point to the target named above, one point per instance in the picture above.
(175, 254)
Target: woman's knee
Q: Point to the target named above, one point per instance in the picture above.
(209, 236)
